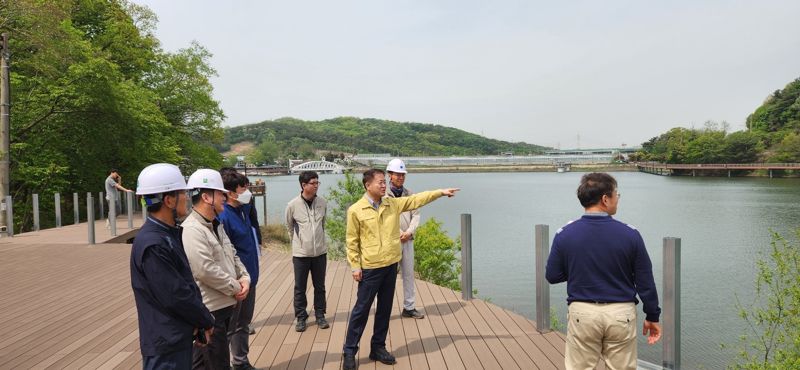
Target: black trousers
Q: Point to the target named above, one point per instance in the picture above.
(216, 355)
(374, 282)
(302, 266)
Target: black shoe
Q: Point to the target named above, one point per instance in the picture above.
(413, 314)
(382, 355)
(250, 329)
(244, 366)
(322, 323)
(349, 362)
(301, 325)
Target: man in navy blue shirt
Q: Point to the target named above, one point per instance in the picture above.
(239, 228)
(168, 302)
(606, 265)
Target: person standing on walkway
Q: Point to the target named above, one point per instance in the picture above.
(409, 221)
(221, 276)
(606, 265)
(236, 222)
(305, 220)
(373, 250)
(169, 306)
(113, 187)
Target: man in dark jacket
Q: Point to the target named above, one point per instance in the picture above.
(170, 308)
(236, 220)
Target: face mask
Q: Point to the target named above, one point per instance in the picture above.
(244, 198)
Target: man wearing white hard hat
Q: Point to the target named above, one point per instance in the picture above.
(168, 302)
(221, 276)
(408, 224)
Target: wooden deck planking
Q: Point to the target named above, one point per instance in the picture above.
(70, 306)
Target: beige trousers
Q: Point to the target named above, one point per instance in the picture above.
(606, 330)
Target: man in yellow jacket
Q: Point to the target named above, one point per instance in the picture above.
(373, 250)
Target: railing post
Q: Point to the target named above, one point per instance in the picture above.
(10, 215)
(129, 200)
(672, 304)
(102, 206)
(36, 224)
(58, 209)
(265, 206)
(76, 205)
(542, 286)
(112, 213)
(90, 217)
(466, 256)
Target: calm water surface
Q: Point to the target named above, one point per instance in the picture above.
(723, 224)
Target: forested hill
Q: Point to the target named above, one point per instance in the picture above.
(287, 136)
(772, 135)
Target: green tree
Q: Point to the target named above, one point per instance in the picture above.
(436, 255)
(670, 147)
(773, 319)
(788, 150)
(743, 147)
(781, 111)
(342, 196)
(266, 152)
(182, 83)
(90, 92)
(708, 147)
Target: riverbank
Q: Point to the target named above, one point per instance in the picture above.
(600, 167)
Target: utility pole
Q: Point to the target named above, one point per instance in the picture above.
(5, 110)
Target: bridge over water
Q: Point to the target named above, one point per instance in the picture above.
(318, 166)
(667, 169)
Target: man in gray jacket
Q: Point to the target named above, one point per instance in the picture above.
(305, 219)
(408, 225)
(222, 278)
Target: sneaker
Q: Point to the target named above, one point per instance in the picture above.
(322, 323)
(250, 329)
(349, 362)
(413, 313)
(301, 325)
(382, 355)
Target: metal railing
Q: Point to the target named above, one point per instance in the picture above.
(670, 294)
(93, 211)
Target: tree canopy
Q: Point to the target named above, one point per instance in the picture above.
(93, 90)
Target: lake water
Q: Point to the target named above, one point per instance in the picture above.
(723, 223)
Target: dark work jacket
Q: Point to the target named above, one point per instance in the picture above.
(168, 301)
(236, 221)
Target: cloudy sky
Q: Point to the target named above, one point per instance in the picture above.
(554, 73)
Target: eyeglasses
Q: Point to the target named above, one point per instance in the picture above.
(314, 183)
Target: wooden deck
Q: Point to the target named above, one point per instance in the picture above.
(66, 304)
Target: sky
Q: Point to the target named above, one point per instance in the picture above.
(563, 74)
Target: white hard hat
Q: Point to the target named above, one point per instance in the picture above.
(160, 178)
(396, 165)
(205, 178)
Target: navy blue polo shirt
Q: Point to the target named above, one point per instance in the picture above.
(603, 260)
